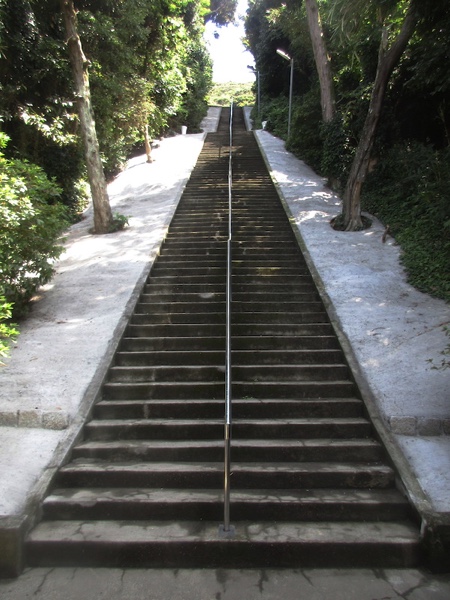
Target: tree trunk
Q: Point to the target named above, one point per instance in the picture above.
(148, 145)
(322, 61)
(387, 60)
(102, 211)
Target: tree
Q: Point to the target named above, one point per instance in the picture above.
(389, 55)
(221, 11)
(102, 211)
(322, 61)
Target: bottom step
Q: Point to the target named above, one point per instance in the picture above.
(158, 544)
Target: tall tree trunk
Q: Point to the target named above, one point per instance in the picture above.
(102, 210)
(387, 60)
(322, 61)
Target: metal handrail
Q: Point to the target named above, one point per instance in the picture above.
(226, 529)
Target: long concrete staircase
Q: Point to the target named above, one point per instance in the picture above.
(311, 485)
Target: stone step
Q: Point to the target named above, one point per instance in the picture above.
(252, 239)
(249, 279)
(242, 295)
(242, 357)
(256, 246)
(306, 303)
(212, 315)
(218, 261)
(306, 342)
(207, 505)
(243, 429)
(91, 470)
(206, 214)
(242, 409)
(151, 544)
(247, 343)
(237, 330)
(215, 390)
(240, 373)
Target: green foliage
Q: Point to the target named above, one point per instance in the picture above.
(8, 331)
(119, 223)
(35, 105)
(31, 221)
(306, 139)
(409, 191)
(221, 11)
(148, 66)
(337, 152)
(274, 112)
(198, 76)
(222, 94)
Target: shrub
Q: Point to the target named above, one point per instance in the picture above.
(337, 153)
(275, 112)
(31, 222)
(8, 331)
(409, 191)
(306, 140)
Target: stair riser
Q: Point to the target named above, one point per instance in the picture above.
(250, 343)
(240, 268)
(238, 279)
(187, 247)
(239, 357)
(240, 480)
(241, 410)
(236, 330)
(241, 253)
(241, 309)
(239, 265)
(211, 316)
(280, 373)
(224, 554)
(214, 391)
(264, 298)
(199, 431)
(213, 511)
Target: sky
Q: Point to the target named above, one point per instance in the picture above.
(230, 59)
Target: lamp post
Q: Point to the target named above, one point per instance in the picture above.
(258, 84)
(291, 60)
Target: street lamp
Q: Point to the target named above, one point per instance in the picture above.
(258, 97)
(291, 60)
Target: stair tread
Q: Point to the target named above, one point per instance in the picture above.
(236, 421)
(145, 532)
(238, 401)
(138, 495)
(97, 465)
(237, 443)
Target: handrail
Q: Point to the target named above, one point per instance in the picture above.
(226, 529)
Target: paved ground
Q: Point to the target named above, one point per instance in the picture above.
(389, 329)
(149, 584)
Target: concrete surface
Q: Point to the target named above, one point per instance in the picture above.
(389, 328)
(221, 584)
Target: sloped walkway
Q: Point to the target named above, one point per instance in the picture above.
(67, 342)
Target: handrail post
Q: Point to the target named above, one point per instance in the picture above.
(227, 530)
